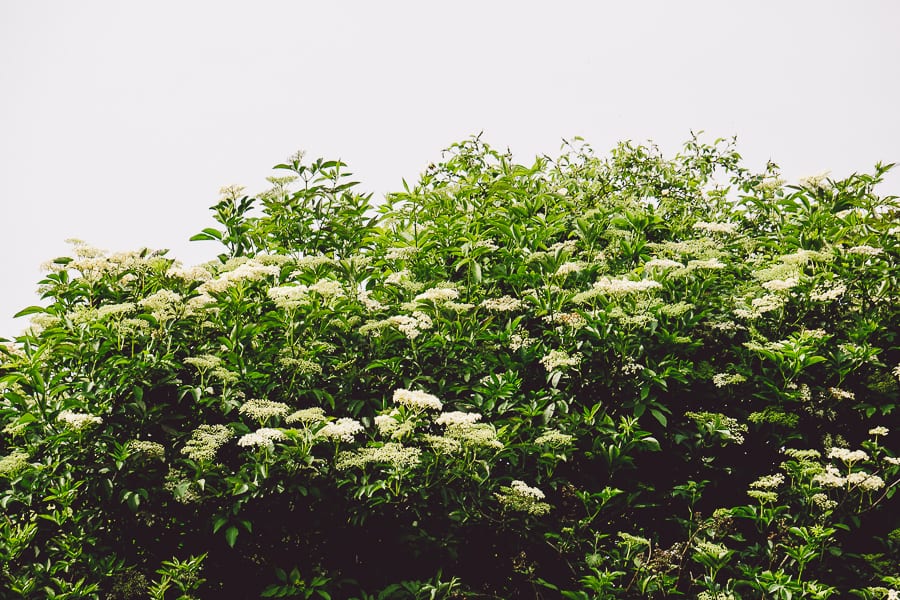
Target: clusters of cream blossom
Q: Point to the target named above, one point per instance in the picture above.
(205, 442)
(417, 400)
(662, 264)
(616, 288)
(847, 456)
(727, 228)
(502, 304)
(521, 497)
(865, 250)
(568, 268)
(458, 418)
(557, 360)
(411, 325)
(394, 454)
(163, 305)
(13, 464)
(246, 270)
(288, 297)
(554, 438)
(341, 430)
(327, 288)
(263, 437)
(77, 421)
(725, 379)
(147, 448)
(261, 410)
(438, 295)
(306, 416)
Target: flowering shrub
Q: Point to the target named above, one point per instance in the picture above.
(622, 377)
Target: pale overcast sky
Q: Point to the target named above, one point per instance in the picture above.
(120, 121)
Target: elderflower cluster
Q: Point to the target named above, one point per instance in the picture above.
(163, 305)
(288, 297)
(263, 437)
(327, 288)
(306, 416)
(245, 271)
(457, 417)
(261, 410)
(706, 227)
(724, 379)
(437, 295)
(554, 438)
(341, 430)
(502, 304)
(411, 326)
(846, 456)
(521, 497)
(568, 267)
(205, 442)
(393, 454)
(557, 360)
(147, 448)
(13, 464)
(618, 287)
(879, 431)
(662, 264)
(865, 250)
(417, 400)
(768, 482)
(77, 421)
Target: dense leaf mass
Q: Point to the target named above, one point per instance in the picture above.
(628, 376)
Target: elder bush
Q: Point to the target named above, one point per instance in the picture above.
(628, 376)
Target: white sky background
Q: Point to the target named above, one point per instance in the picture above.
(120, 121)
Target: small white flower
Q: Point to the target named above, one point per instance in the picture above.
(417, 400)
(261, 438)
(77, 421)
(341, 430)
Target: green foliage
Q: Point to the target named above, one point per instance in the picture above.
(623, 377)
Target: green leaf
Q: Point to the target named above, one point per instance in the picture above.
(30, 311)
(231, 535)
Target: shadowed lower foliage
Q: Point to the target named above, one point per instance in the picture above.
(628, 376)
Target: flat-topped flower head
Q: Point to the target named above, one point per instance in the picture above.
(205, 442)
(457, 417)
(261, 410)
(306, 416)
(417, 400)
(261, 438)
(77, 421)
(341, 430)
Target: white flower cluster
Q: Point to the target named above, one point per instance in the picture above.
(865, 250)
(148, 449)
(417, 400)
(163, 305)
(195, 273)
(306, 416)
(261, 438)
(457, 417)
(521, 497)
(781, 285)
(554, 438)
(341, 430)
(77, 421)
(438, 295)
(13, 464)
(879, 431)
(827, 293)
(263, 409)
(724, 379)
(715, 227)
(327, 288)
(623, 287)
(502, 304)
(662, 264)
(204, 362)
(288, 297)
(394, 454)
(708, 263)
(371, 304)
(768, 482)
(401, 253)
(568, 268)
(205, 442)
(245, 271)
(411, 326)
(557, 360)
(846, 456)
